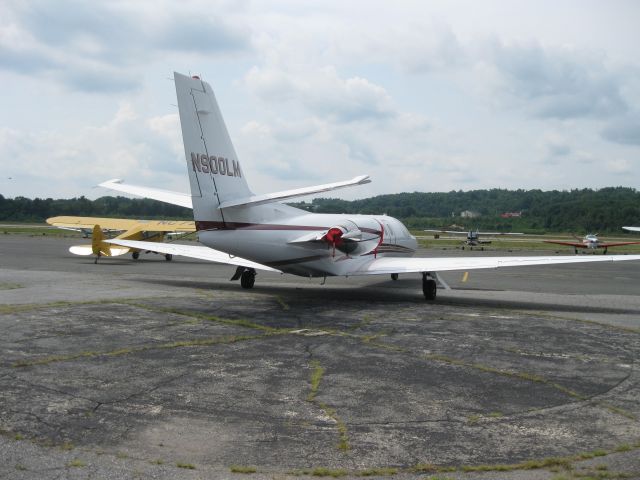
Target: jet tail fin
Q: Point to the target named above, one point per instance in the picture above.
(214, 170)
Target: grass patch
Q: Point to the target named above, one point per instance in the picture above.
(242, 469)
(241, 322)
(316, 378)
(343, 444)
(328, 472)
(20, 467)
(76, 463)
(366, 320)
(378, 471)
(385, 346)
(625, 447)
(10, 286)
(157, 461)
(204, 342)
(473, 419)
(282, 303)
(424, 468)
(530, 377)
(187, 466)
(67, 446)
(617, 410)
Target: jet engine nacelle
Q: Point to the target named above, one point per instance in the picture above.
(350, 239)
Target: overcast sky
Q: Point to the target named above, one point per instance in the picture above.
(422, 96)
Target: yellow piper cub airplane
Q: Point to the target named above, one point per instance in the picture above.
(146, 230)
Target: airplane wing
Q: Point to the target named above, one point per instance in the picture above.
(192, 251)
(166, 196)
(445, 231)
(298, 192)
(616, 244)
(571, 244)
(632, 229)
(122, 224)
(77, 223)
(387, 265)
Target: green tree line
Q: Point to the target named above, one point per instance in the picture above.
(580, 210)
(21, 209)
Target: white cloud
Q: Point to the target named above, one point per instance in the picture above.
(618, 166)
(558, 82)
(623, 130)
(430, 96)
(323, 92)
(124, 147)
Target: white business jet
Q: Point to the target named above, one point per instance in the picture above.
(632, 229)
(257, 232)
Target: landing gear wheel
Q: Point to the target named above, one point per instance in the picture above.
(248, 278)
(429, 287)
(394, 276)
(135, 255)
(168, 257)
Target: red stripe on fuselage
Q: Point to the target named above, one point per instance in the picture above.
(213, 225)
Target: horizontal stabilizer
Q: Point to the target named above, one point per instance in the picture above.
(166, 196)
(192, 251)
(298, 192)
(387, 265)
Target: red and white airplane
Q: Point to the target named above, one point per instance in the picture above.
(257, 232)
(590, 241)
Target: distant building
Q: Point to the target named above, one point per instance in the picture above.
(511, 214)
(469, 214)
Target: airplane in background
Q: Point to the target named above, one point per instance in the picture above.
(632, 229)
(257, 232)
(590, 241)
(473, 237)
(147, 230)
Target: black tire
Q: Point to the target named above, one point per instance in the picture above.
(168, 257)
(394, 276)
(429, 288)
(248, 278)
(135, 255)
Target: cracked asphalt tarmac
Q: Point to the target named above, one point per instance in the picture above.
(155, 369)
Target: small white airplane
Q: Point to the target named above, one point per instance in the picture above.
(591, 242)
(257, 232)
(473, 236)
(632, 229)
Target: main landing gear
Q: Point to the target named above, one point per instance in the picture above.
(246, 275)
(394, 276)
(429, 287)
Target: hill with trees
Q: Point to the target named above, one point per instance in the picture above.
(580, 210)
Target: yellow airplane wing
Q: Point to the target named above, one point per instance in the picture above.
(123, 224)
